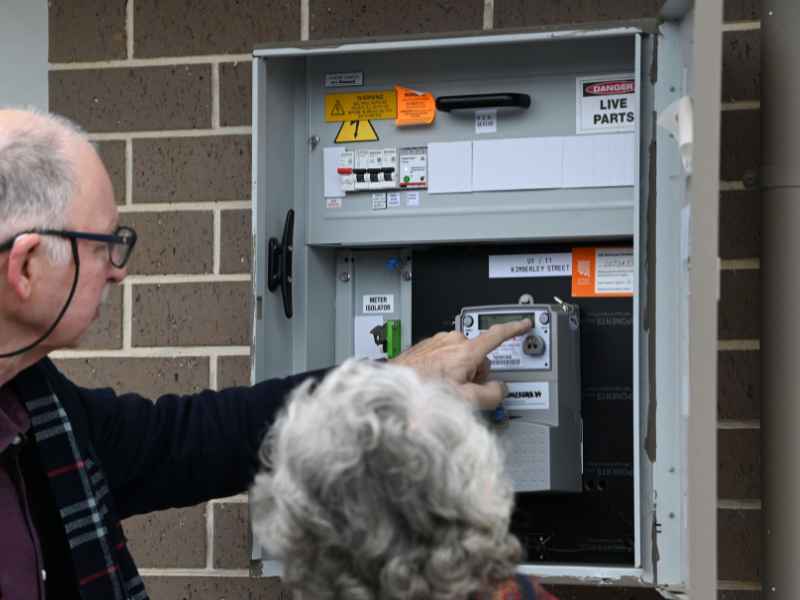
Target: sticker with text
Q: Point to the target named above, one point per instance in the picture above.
(602, 272)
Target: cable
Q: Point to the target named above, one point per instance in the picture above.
(77, 260)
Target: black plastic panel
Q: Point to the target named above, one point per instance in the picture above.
(597, 525)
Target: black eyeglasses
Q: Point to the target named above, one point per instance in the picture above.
(120, 243)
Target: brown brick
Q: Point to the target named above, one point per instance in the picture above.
(235, 94)
(739, 385)
(739, 545)
(172, 242)
(215, 588)
(233, 371)
(169, 539)
(106, 332)
(741, 65)
(740, 305)
(87, 30)
(740, 224)
(739, 457)
(742, 10)
(186, 27)
(740, 143)
(523, 13)
(591, 592)
(149, 377)
(192, 314)
(202, 169)
(140, 99)
(739, 595)
(237, 240)
(113, 157)
(355, 18)
(231, 536)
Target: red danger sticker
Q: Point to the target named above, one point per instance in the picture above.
(605, 88)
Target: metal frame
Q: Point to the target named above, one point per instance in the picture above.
(658, 381)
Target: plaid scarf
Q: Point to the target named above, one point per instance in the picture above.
(104, 569)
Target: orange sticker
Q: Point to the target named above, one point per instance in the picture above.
(414, 108)
(602, 272)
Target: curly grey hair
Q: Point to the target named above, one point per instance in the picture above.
(379, 485)
(37, 177)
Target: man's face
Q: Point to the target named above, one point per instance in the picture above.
(92, 210)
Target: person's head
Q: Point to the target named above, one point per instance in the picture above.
(380, 485)
(51, 178)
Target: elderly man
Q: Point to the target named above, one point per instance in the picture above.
(77, 461)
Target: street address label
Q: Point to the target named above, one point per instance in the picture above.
(530, 265)
(378, 304)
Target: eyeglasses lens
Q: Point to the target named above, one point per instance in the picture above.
(120, 252)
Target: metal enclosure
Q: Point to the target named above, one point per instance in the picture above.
(347, 249)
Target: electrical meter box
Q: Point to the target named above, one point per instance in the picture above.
(407, 187)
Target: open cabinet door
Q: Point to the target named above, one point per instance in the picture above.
(704, 80)
(683, 557)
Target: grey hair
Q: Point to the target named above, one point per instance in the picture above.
(37, 178)
(379, 485)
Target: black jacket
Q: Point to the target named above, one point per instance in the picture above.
(177, 451)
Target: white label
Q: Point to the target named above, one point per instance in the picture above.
(336, 80)
(378, 304)
(614, 270)
(378, 201)
(333, 202)
(530, 265)
(412, 198)
(393, 200)
(364, 345)
(508, 355)
(527, 395)
(606, 103)
(486, 121)
(414, 167)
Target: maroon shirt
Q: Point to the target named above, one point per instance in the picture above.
(21, 574)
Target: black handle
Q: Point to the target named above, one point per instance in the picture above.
(473, 101)
(279, 264)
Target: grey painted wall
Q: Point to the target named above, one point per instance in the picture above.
(23, 53)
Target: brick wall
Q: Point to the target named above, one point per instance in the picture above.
(164, 87)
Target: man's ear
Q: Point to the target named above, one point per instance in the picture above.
(19, 271)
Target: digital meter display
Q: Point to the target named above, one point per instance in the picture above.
(486, 321)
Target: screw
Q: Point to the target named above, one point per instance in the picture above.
(344, 276)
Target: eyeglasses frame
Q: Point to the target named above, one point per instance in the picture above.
(109, 239)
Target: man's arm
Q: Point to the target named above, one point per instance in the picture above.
(181, 450)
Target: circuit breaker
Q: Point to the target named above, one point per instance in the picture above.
(403, 188)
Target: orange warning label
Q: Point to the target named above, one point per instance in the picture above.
(414, 108)
(602, 272)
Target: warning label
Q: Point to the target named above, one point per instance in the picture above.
(606, 103)
(378, 304)
(598, 272)
(356, 131)
(360, 106)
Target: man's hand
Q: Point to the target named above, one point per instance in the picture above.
(463, 362)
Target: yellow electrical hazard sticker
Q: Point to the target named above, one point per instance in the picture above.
(356, 131)
(360, 106)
